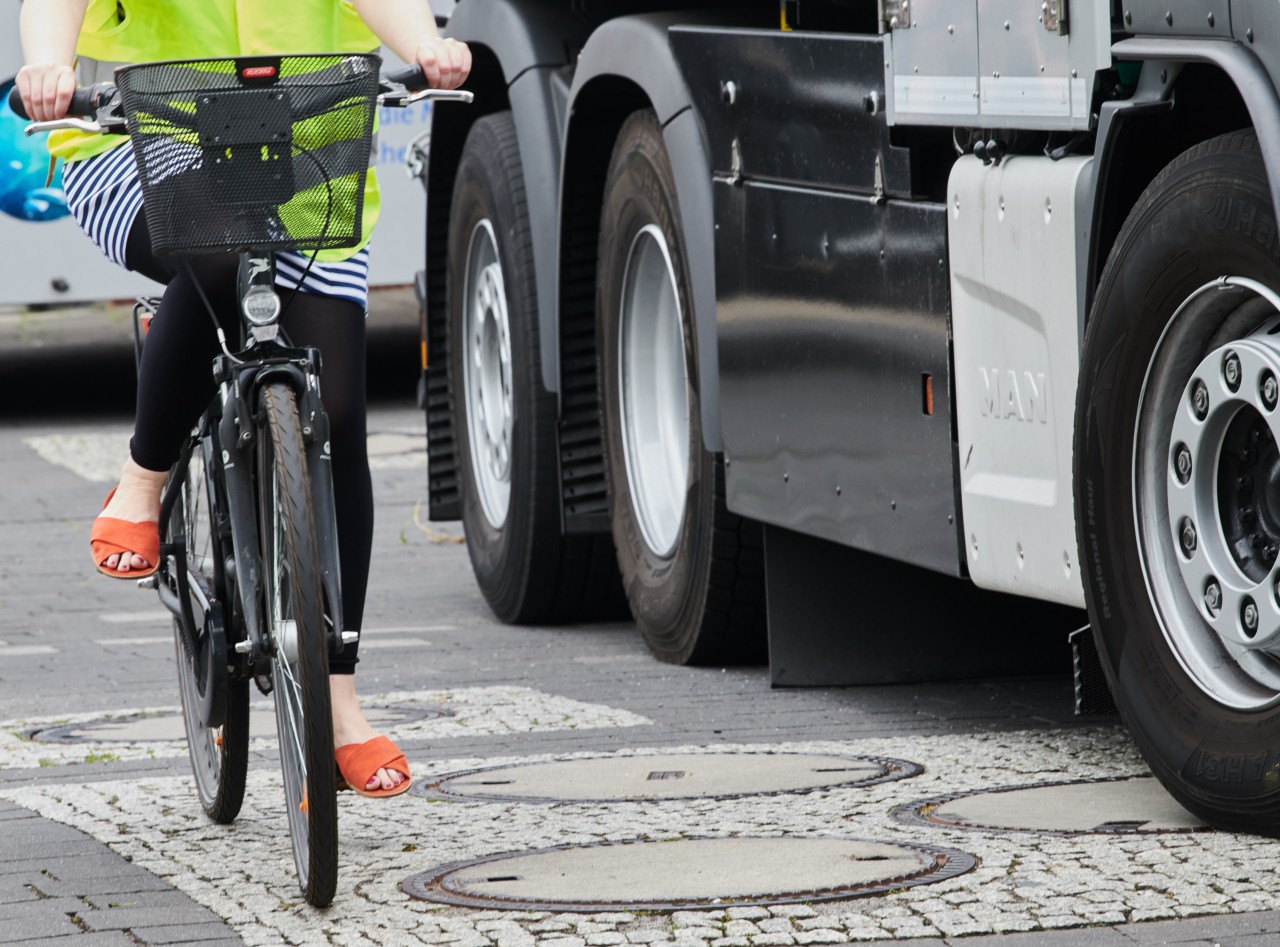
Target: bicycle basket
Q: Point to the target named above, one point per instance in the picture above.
(262, 153)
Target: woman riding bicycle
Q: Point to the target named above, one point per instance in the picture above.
(327, 311)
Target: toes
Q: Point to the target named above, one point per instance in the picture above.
(112, 561)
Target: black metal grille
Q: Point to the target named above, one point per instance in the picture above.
(260, 153)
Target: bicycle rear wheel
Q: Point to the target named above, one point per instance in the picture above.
(219, 754)
(300, 663)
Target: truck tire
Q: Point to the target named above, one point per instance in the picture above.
(693, 572)
(504, 419)
(1177, 481)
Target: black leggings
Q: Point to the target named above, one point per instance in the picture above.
(175, 384)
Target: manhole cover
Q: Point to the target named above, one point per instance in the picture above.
(148, 728)
(687, 872)
(1102, 806)
(667, 776)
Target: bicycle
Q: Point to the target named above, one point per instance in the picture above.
(249, 557)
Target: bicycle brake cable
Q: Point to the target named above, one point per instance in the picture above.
(217, 326)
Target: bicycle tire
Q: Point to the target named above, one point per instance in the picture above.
(219, 755)
(294, 612)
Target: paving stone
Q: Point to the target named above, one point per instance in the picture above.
(775, 925)
(741, 928)
(820, 936)
(791, 910)
(605, 939)
(130, 918)
(36, 927)
(773, 940)
(182, 933)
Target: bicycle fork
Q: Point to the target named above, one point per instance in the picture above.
(240, 381)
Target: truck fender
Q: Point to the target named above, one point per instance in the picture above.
(637, 49)
(530, 43)
(1238, 63)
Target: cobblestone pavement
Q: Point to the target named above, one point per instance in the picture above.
(102, 841)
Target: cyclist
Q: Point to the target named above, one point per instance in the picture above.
(327, 310)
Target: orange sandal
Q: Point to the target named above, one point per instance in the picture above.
(113, 537)
(359, 762)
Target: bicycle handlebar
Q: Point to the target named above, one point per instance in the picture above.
(84, 101)
(87, 102)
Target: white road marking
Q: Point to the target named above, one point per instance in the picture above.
(93, 457)
(129, 642)
(25, 650)
(155, 615)
(407, 629)
(389, 643)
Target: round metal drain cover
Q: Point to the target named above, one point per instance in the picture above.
(689, 872)
(1101, 806)
(667, 776)
(162, 727)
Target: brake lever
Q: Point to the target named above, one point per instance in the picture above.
(399, 100)
(62, 124)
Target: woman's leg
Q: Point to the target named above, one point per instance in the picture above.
(337, 328)
(175, 378)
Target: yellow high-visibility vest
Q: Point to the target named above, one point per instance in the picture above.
(139, 31)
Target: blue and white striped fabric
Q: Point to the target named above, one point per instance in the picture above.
(104, 195)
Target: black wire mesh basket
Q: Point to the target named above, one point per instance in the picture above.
(262, 153)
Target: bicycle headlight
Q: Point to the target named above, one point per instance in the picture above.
(261, 306)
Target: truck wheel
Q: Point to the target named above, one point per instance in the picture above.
(504, 418)
(693, 571)
(1177, 477)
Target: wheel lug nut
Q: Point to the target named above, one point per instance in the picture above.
(1213, 597)
(1249, 617)
(1182, 463)
(1187, 536)
(1247, 516)
(1269, 389)
(1200, 400)
(1231, 371)
(1245, 483)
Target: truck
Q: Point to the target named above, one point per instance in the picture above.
(882, 338)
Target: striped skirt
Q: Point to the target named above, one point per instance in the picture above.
(104, 195)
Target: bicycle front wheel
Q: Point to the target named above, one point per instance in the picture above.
(219, 754)
(294, 608)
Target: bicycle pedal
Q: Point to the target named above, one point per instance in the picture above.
(350, 637)
(150, 582)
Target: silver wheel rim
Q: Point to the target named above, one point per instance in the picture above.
(654, 391)
(285, 686)
(1205, 465)
(486, 369)
(203, 742)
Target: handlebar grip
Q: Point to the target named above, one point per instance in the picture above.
(410, 77)
(15, 103)
(84, 101)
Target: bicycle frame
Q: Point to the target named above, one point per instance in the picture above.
(229, 431)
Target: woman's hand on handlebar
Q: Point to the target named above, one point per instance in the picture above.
(46, 90)
(446, 63)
